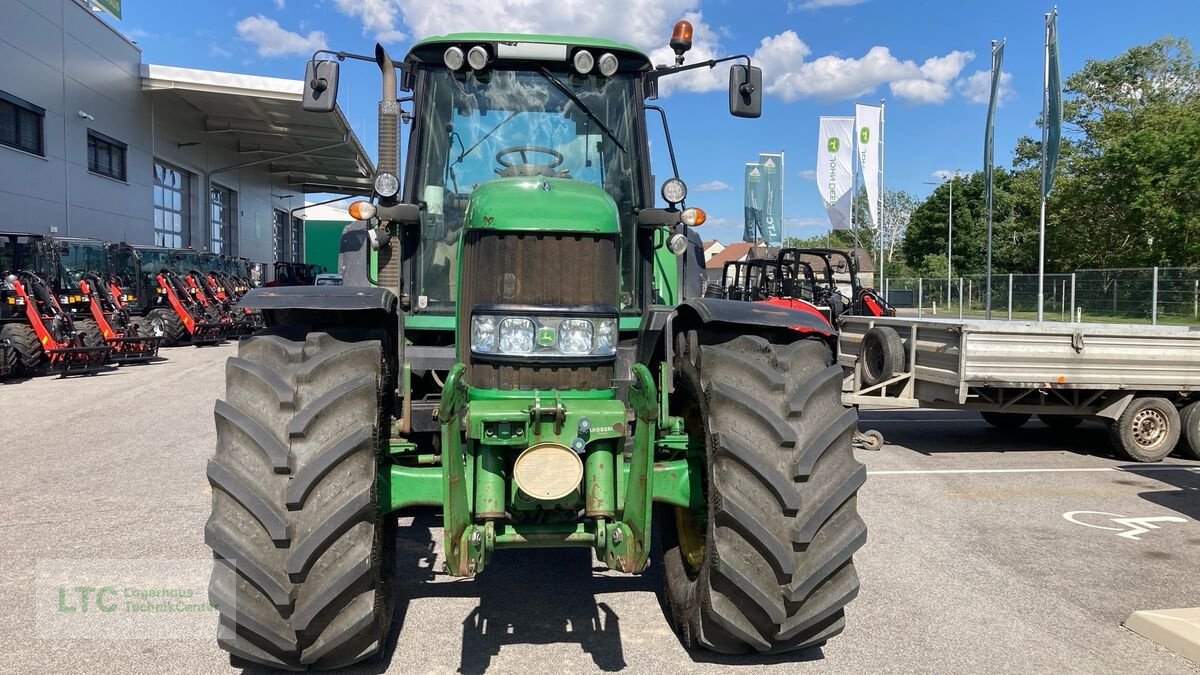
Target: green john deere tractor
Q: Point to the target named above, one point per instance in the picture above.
(521, 342)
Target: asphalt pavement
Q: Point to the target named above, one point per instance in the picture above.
(987, 552)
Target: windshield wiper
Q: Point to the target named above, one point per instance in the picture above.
(485, 137)
(580, 104)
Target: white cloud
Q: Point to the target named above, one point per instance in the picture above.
(378, 17)
(788, 75)
(280, 4)
(946, 68)
(217, 51)
(804, 222)
(712, 186)
(822, 4)
(808, 174)
(976, 88)
(273, 40)
(921, 91)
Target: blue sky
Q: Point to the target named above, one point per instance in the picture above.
(819, 57)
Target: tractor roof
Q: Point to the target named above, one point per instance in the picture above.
(625, 51)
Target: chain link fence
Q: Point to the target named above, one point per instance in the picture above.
(1145, 295)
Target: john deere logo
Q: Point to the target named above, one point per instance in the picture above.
(833, 145)
(864, 135)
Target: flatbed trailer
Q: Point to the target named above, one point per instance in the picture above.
(1144, 381)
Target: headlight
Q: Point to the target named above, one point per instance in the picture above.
(516, 336)
(575, 336)
(387, 185)
(552, 337)
(483, 334)
(674, 191)
(606, 336)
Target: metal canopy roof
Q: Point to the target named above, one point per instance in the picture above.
(262, 119)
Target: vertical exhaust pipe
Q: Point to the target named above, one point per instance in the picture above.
(389, 161)
(389, 115)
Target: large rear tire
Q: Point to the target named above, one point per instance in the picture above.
(166, 324)
(771, 570)
(26, 356)
(294, 505)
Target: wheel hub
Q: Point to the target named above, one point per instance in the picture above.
(1149, 428)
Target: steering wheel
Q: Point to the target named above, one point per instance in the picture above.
(556, 156)
(501, 157)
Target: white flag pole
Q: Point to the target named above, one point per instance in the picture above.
(1045, 129)
(882, 194)
(782, 182)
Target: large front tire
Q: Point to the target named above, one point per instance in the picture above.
(772, 570)
(166, 324)
(301, 578)
(26, 356)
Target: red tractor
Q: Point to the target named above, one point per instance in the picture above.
(42, 336)
(144, 278)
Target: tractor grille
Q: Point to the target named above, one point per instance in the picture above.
(537, 269)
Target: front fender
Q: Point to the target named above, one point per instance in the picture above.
(797, 316)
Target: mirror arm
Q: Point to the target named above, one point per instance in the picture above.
(662, 71)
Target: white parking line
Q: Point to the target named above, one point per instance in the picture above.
(1192, 469)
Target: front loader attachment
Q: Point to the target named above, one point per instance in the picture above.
(209, 332)
(78, 358)
(133, 348)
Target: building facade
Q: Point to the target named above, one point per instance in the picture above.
(96, 143)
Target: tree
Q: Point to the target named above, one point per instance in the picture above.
(1127, 190)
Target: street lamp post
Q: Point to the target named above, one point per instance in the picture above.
(949, 235)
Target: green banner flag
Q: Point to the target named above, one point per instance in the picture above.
(1053, 111)
(989, 135)
(772, 204)
(754, 202)
(111, 6)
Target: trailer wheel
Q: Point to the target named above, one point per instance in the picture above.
(767, 566)
(1061, 422)
(1147, 431)
(1002, 420)
(301, 576)
(1189, 423)
(166, 324)
(26, 356)
(91, 332)
(881, 354)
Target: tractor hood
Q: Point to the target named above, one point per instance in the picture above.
(542, 204)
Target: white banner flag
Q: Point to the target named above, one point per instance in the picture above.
(867, 126)
(835, 156)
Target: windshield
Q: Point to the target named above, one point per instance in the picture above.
(186, 262)
(79, 258)
(478, 127)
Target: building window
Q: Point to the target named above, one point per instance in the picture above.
(170, 205)
(224, 237)
(106, 156)
(21, 124)
(297, 240)
(279, 220)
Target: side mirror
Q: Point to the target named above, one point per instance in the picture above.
(321, 85)
(745, 91)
